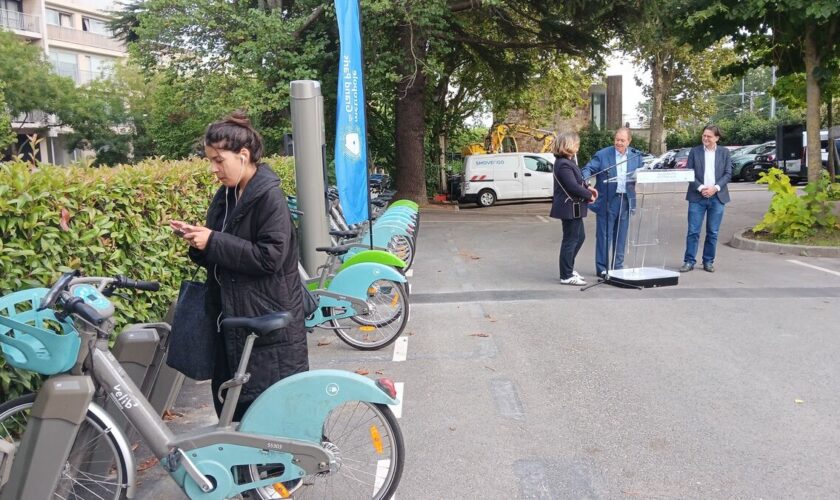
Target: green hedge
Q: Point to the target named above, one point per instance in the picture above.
(105, 222)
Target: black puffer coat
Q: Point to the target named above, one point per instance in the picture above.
(252, 270)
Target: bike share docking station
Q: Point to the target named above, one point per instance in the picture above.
(657, 194)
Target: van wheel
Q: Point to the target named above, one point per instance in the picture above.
(750, 172)
(486, 198)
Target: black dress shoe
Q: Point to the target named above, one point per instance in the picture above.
(710, 268)
(686, 267)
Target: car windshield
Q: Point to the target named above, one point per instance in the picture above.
(683, 153)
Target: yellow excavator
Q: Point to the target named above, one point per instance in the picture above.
(502, 138)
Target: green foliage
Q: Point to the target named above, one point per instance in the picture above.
(792, 217)
(104, 222)
(29, 81)
(591, 140)
(7, 137)
(743, 129)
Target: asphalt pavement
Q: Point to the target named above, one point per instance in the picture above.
(514, 386)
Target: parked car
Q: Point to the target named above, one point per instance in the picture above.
(663, 160)
(680, 158)
(743, 159)
(795, 169)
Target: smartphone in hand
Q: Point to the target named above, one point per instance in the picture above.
(179, 228)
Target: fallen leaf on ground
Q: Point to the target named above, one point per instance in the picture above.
(147, 464)
(135, 446)
(362, 371)
(379, 372)
(323, 343)
(491, 369)
(170, 415)
(451, 428)
(469, 255)
(798, 401)
(479, 335)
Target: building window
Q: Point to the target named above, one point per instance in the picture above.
(95, 26)
(58, 18)
(65, 64)
(599, 110)
(100, 67)
(11, 14)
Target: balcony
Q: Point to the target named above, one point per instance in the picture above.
(34, 119)
(86, 38)
(14, 20)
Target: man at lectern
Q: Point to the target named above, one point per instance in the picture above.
(613, 168)
(706, 196)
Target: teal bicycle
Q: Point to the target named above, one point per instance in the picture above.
(320, 434)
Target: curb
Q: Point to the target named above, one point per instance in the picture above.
(439, 207)
(738, 241)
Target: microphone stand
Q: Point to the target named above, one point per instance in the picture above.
(612, 246)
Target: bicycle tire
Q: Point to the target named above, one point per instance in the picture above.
(16, 410)
(382, 326)
(354, 482)
(404, 248)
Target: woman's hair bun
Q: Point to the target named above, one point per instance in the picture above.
(239, 117)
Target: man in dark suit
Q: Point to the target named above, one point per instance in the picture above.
(613, 168)
(707, 195)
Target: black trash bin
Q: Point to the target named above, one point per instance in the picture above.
(453, 185)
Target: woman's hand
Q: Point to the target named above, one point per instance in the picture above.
(594, 194)
(197, 236)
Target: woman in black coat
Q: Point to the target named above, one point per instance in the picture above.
(571, 195)
(249, 247)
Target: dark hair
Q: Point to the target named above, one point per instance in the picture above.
(233, 133)
(713, 129)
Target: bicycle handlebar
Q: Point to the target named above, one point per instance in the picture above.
(77, 305)
(125, 282)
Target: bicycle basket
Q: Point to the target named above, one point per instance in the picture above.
(26, 339)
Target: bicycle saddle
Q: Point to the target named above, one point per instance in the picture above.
(339, 250)
(261, 325)
(344, 234)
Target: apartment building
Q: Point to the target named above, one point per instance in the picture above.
(75, 38)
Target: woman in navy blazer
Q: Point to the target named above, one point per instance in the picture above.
(571, 196)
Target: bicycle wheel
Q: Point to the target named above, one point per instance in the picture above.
(369, 450)
(383, 324)
(403, 247)
(83, 478)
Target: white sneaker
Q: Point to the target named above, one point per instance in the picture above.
(576, 274)
(574, 281)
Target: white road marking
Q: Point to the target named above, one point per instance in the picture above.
(382, 467)
(401, 349)
(397, 408)
(543, 218)
(829, 271)
(409, 273)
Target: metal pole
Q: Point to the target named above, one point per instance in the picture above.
(773, 99)
(307, 105)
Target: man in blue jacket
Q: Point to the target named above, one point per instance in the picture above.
(613, 168)
(706, 196)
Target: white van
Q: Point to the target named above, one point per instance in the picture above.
(507, 176)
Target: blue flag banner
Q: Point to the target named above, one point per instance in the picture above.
(350, 127)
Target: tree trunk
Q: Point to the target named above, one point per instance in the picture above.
(410, 119)
(657, 114)
(812, 116)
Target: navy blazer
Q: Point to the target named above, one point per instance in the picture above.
(567, 173)
(602, 165)
(723, 172)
